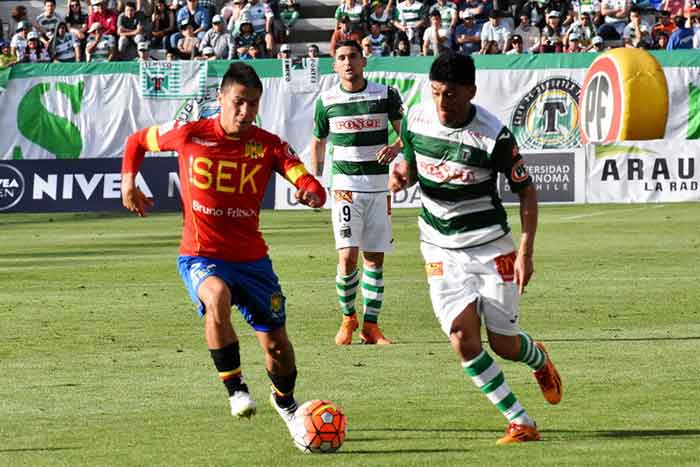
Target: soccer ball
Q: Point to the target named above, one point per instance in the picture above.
(319, 427)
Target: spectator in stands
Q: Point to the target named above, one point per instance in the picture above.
(47, 22)
(63, 46)
(517, 46)
(353, 10)
(530, 34)
(130, 28)
(569, 18)
(490, 48)
(188, 42)
(35, 51)
(436, 38)
(584, 29)
(403, 48)
(253, 53)
(196, 16)
(170, 57)
(409, 21)
(574, 45)
(209, 6)
(536, 12)
(637, 33)
(366, 46)
(597, 44)
(312, 51)
(19, 40)
(664, 25)
(285, 52)
(378, 43)
(661, 41)
(18, 14)
(231, 13)
(674, 7)
(289, 14)
(449, 14)
(615, 13)
(682, 37)
(494, 30)
(7, 58)
(162, 25)
(468, 34)
(261, 17)
(100, 47)
(246, 38)
(143, 51)
(230, 7)
(479, 8)
(77, 21)
(344, 33)
(106, 17)
(383, 16)
(219, 40)
(552, 39)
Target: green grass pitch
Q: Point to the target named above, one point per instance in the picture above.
(103, 362)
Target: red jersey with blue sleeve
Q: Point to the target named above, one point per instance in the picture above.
(222, 182)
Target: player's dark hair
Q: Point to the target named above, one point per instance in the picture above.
(131, 4)
(349, 43)
(243, 74)
(451, 67)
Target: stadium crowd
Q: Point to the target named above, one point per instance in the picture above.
(105, 30)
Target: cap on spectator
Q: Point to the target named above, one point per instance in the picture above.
(574, 37)
(285, 48)
(217, 19)
(22, 26)
(33, 36)
(596, 40)
(553, 14)
(466, 14)
(4, 44)
(516, 38)
(184, 23)
(208, 51)
(95, 2)
(95, 26)
(142, 46)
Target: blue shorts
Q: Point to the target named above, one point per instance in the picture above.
(254, 287)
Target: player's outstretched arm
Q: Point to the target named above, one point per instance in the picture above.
(134, 152)
(528, 218)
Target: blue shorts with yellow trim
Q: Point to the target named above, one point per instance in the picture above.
(254, 287)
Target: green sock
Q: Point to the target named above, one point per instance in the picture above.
(373, 293)
(530, 354)
(346, 288)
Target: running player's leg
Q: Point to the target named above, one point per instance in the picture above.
(213, 296)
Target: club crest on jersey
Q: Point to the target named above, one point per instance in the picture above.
(254, 150)
(519, 172)
(276, 300)
(434, 269)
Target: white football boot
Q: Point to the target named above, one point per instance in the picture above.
(287, 414)
(242, 405)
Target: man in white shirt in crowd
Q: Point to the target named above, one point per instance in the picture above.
(494, 30)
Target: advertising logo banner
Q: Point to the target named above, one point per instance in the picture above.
(553, 174)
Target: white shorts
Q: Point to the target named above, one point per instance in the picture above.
(482, 274)
(362, 220)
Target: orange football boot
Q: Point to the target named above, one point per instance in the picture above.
(519, 434)
(548, 378)
(371, 334)
(349, 324)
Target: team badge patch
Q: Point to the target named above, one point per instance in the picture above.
(254, 150)
(434, 269)
(505, 265)
(340, 196)
(276, 302)
(345, 232)
(519, 172)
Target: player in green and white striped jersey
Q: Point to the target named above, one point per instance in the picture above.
(455, 149)
(355, 116)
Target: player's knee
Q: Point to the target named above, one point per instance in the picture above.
(463, 343)
(216, 297)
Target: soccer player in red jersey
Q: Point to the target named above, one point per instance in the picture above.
(224, 166)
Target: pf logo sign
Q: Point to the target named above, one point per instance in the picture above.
(624, 97)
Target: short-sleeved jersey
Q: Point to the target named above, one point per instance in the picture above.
(409, 15)
(222, 184)
(457, 171)
(447, 12)
(357, 124)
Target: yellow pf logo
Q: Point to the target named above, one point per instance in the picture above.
(276, 302)
(254, 150)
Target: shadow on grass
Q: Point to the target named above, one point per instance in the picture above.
(401, 451)
(581, 339)
(46, 449)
